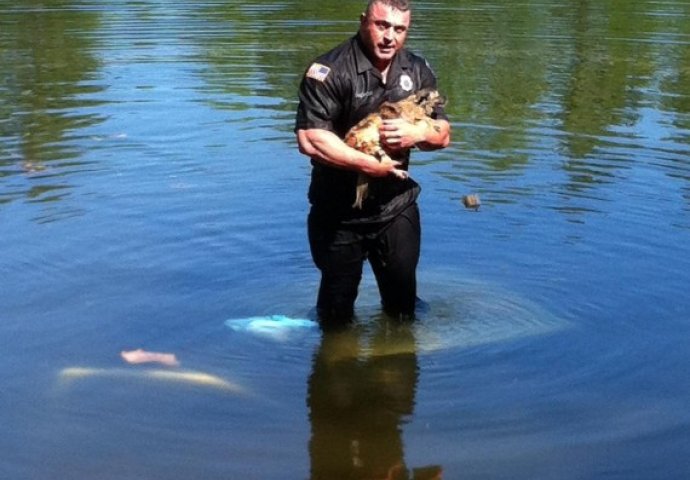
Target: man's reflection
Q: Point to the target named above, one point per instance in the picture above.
(361, 390)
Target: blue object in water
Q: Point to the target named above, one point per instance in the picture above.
(275, 327)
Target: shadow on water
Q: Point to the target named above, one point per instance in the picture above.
(361, 391)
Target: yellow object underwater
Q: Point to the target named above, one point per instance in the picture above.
(189, 377)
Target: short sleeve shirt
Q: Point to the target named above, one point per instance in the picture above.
(339, 89)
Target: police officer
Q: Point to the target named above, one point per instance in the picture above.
(340, 88)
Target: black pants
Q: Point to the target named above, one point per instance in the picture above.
(339, 253)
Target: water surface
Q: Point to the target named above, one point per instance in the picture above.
(151, 189)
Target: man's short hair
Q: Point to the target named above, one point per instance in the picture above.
(402, 5)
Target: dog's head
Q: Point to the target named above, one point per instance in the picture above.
(428, 99)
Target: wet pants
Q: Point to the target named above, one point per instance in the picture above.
(339, 252)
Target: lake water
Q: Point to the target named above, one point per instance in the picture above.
(151, 189)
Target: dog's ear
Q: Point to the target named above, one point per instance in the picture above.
(423, 96)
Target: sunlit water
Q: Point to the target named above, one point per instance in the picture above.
(151, 189)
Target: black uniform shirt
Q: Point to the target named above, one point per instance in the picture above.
(339, 89)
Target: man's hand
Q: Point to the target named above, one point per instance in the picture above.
(399, 134)
(385, 167)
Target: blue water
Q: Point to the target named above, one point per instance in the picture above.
(151, 189)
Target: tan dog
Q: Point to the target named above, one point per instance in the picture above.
(365, 135)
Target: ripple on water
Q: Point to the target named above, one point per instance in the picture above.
(459, 313)
(455, 313)
(465, 314)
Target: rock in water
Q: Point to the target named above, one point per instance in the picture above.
(471, 201)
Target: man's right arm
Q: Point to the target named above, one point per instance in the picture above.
(326, 147)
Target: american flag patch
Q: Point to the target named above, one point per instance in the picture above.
(318, 72)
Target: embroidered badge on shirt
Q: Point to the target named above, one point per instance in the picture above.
(318, 72)
(406, 83)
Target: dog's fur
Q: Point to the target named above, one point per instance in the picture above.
(364, 136)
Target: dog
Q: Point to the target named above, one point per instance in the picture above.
(365, 137)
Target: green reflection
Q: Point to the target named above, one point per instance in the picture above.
(534, 85)
(46, 63)
(675, 99)
(259, 49)
(575, 69)
(674, 67)
(606, 73)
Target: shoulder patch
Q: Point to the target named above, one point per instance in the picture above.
(318, 72)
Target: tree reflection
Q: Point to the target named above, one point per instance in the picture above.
(530, 83)
(46, 59)
(260, 49)
(676, 79)
(361, 390)
(579, 66)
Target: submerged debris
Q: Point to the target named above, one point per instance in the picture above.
(142, 356)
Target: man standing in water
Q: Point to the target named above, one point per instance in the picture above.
(340, 88)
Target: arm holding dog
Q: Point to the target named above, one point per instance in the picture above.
(326, 147)
(425, 134)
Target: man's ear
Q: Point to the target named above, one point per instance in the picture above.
(363, 19)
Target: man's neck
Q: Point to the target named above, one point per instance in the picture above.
(384, 71)
(383, 67)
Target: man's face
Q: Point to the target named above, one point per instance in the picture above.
(384, 31)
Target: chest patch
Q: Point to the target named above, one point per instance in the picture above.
(406, 83)
(318, 72)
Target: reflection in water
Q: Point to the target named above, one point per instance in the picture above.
(360, 394)
(47, 67)
(539, 87)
